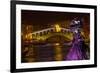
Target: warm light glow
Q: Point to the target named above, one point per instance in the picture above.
(58, 28)
(57, 44)
(28, 36)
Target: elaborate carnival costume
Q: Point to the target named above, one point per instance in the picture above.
(78, 49)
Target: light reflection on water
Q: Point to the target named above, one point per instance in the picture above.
(48, 52)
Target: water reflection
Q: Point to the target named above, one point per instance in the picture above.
(46, 52)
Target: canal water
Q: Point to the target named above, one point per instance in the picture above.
(45, 53)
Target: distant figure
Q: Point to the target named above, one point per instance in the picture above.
(78, 49)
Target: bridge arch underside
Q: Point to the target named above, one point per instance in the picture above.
(57, 39)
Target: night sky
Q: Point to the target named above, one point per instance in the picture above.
(46, 19)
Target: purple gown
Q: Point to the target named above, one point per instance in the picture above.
(76, 52)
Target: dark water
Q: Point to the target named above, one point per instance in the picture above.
(46, 52)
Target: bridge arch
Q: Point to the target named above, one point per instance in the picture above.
(59, 37)
(47, 33)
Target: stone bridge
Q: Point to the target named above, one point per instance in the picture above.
(49, 32)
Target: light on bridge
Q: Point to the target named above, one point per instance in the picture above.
(57, 28)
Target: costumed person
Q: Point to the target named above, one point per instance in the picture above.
(78, 49)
